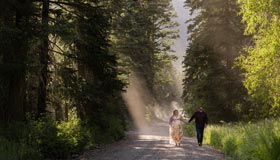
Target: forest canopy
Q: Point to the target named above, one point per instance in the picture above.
(65, 64)
(231, 65)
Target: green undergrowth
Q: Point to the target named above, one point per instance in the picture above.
(189, 130)
(43, 139)
(49, 139)
(246, 141)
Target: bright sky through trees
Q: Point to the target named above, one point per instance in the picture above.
(180, 44)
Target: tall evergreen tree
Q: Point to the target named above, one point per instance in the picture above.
(216, 38)
(44, 59)
(15, 32)
(143, 35)
(100, 105)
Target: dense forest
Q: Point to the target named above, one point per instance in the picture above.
(231, 68)
(65, 66)
(231, 65)
(216, 39)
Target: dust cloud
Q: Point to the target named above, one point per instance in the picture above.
(142, 106)
(135, 99)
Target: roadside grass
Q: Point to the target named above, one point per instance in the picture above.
(246, 141)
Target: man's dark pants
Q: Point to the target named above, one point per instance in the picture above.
(199, 132)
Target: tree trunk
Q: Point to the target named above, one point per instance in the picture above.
(16, 82)
(44, 58)
(66, 110)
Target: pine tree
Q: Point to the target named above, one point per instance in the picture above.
(44, 59)
(143, 35)
(216, 36)
(15, 32)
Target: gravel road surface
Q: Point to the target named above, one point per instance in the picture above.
(152, 143)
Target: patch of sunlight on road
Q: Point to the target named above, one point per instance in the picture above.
(153, 137)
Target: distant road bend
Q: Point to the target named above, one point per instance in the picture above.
(152, 143)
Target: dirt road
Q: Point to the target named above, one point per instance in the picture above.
(152, 143)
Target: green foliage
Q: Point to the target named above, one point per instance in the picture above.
(258, 140)
(207, 83)
(77, 69)
(230, 145)
(275, 151)
(44, 139)
(189, 130)
(59, 55)
(142, 37)
(98, 94)
(261, 61)
(216, 38)
(215, 139)
(11, 150)
(60, 139)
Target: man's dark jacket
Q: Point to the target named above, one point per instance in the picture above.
(200, 117)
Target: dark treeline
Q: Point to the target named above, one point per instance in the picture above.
(225, 66)
(65, 64)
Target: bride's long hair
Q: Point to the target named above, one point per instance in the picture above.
(175, 112)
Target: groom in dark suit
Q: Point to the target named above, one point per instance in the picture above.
(201, 121)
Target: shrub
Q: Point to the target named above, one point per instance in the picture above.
(43, 139)
(58, 140)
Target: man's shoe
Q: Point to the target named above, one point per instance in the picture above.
(199, 144)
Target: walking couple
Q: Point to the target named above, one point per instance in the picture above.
(176, 130)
